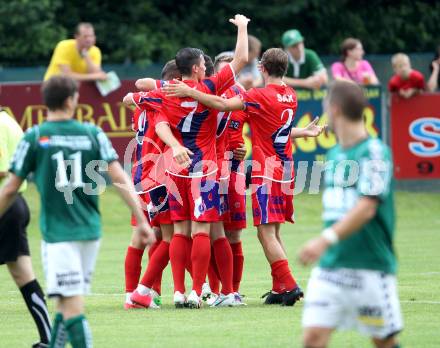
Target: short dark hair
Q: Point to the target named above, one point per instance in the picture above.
(223, 57)
(275, 61)
(350, 97)
(186, 58)
(81, 25)
(347, 45)
(170, 71)
(56, 90)
(209, 65)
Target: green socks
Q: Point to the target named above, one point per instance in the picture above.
(58, 338)
(79, 332)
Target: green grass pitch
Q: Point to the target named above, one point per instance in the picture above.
(418, 247)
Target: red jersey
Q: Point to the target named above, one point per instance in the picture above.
(236, 123)
(415, 80)
(148, 166)
(271, 111)
(194, 125)
(222, 140)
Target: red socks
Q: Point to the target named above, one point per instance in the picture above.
(156, 265)
(179, 258)
(189, 243)
(200, 258)
(213, 276)
(223, 258)
(238, 261)
(133, 268)
(153, 247)
(282, 277)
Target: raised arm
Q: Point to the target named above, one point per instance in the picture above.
(241, 48)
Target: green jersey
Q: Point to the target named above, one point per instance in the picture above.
(362, 170)
(307, 66)
(64, 157)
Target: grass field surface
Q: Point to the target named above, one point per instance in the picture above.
(256, 325)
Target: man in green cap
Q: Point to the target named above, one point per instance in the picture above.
(305, 68)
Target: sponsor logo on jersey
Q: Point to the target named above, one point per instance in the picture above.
(44, 142)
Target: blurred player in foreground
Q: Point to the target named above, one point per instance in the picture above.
(70, 219)
(354, 286)
(271, 110)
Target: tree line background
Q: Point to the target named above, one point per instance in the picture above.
(146, 31)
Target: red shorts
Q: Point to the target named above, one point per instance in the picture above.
(195, 199)
(236, 202)
(272, 201)
(156, 206)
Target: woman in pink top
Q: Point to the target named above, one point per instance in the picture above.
(353, 67)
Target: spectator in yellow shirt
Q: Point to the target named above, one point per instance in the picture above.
(77, 58)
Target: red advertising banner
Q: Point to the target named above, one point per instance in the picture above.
(24, 103)
(415, 136)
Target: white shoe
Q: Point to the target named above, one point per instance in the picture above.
(226, 301)
(212, 299)
(179, 299)
(206, 292)
(239, 299)
(193, 300)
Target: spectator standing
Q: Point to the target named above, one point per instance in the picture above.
(305, 69)
(250, 76)
(406, 82)
(434, 79)
(352, 65)
(77, 58)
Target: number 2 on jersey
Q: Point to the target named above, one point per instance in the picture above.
(283, 133)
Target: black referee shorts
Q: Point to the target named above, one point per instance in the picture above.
(13, 238)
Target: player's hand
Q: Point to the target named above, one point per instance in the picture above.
(181, 155)
(436, 65)
(312, 129)
(240, 152)
(146, 232)
(239, 20)
(177, 89)
(313, 250)
(128, 99)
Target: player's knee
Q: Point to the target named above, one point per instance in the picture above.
(233, 236)
(21, 271)
(314, 338)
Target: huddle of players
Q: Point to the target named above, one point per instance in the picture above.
(188, 172)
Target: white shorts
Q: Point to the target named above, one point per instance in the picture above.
(345, 299)
(69, 266)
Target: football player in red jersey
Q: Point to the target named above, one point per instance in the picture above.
(226, 257)
(270, 110)
(195, 203)
(147, 164)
